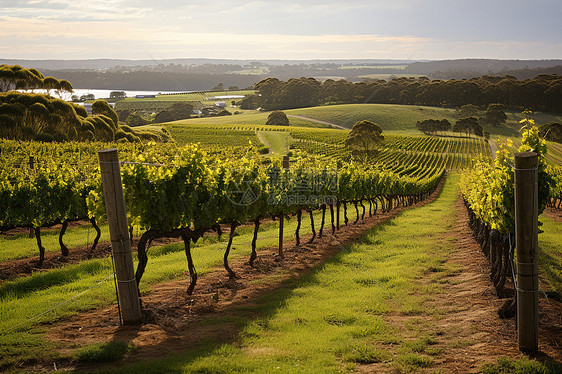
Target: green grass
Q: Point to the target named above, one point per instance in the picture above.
(246, 118)
(392, 118)
(550, 253)
(192, 96)
(103, 352)
(22, 246)
(278, 142)
(522, 366)
(399, 119)
(28, 304)
(333, 319)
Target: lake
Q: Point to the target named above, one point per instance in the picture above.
(104, 94)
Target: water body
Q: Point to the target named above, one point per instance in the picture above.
(104, 94)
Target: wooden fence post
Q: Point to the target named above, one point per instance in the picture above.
(127, 290)
(282, 215)
(526, 242)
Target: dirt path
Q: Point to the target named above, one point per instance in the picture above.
(555, 214)
(319, 121)
(469, 331)
(493, 148)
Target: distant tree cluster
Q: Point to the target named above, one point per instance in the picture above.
(295, 93)
(468, 125)
(39, 117)
(15, 77)
(541, 93)
(433, 126)
(495, 114)
(117, 95)
(177, 111)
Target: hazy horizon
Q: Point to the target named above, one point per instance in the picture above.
(269, 30)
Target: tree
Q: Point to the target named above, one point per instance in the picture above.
(117, 95)
(269, 93)
(64, 86)
(495, 114)
(51, 83)
(468, 125)
(16, 77)
(179, 110)
(277, 118)
(102, 107)
(135, 119)
(250, 102)
(468, 110)
(364, 139)
(432, 126)
(87, 97)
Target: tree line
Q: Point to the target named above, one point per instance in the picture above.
(541, 93)
(39, 117)
(42, 117)
(15, 77)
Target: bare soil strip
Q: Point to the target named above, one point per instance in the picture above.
(12, 269)
(468, 328)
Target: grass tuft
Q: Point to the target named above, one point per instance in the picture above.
(522, 366)
(104, 352)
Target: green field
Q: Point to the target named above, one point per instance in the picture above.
(29, 304)
(246, 118)
(192, 96)
(197, 99)
(392, 118)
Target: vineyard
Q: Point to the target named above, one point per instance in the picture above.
(400, 153)
(183, 197)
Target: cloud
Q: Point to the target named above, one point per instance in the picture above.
(277, 29)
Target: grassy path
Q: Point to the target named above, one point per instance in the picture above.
(277, 141)
(339, 316)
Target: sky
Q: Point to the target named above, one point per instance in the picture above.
(281, 29)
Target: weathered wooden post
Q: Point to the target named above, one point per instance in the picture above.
(526, 242)
(127, 290)
(282, 216)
